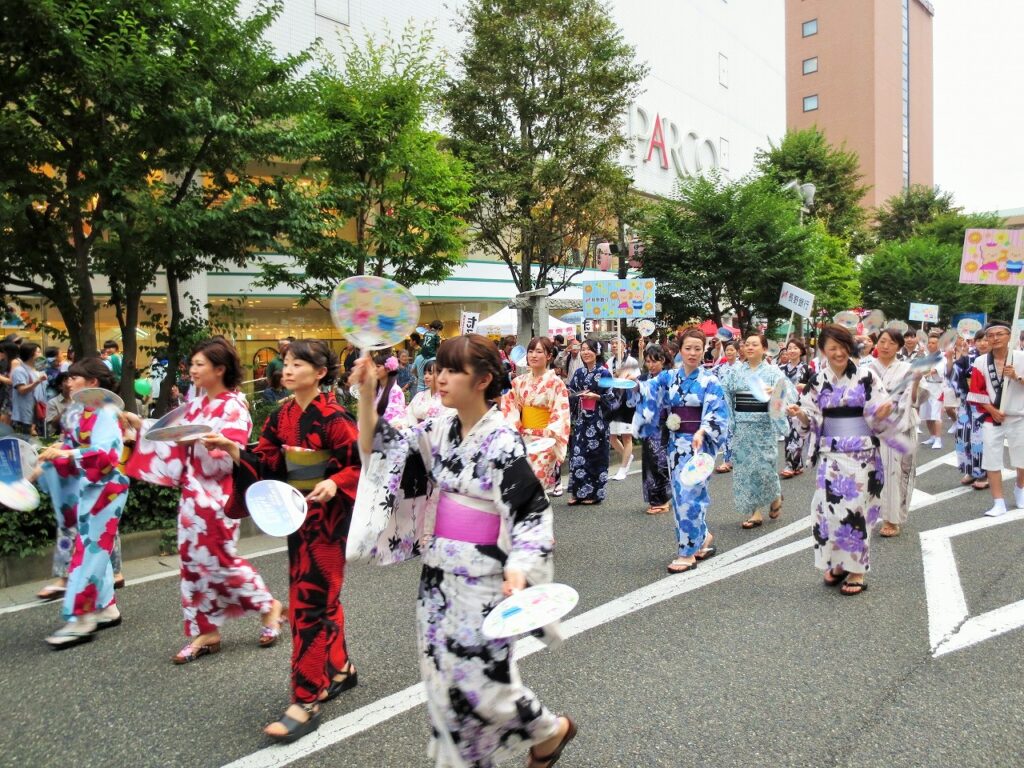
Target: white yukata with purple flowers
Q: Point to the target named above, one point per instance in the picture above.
(480, 711)
(847, 501)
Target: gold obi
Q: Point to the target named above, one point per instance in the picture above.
(535, 418)
(305, 468)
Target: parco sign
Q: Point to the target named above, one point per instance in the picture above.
(662, 141)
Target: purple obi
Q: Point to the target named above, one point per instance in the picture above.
(844, 422)
(464, 523)
(689, 417)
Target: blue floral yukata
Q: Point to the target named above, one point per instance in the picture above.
(755, 481)
(850, 475)
(480, 711)
(698, 401)
(657, 482)
(588, 440)
(969, 420)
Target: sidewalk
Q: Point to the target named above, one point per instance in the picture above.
(137, 571)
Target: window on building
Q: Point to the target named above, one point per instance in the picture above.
(810, 65)
(334, 10)
(723, 153)
(810, 103)
(810, 28)
(723, 70)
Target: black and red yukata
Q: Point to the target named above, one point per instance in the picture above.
(302, 448)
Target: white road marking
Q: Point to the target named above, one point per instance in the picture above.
(949, 628)
(366, 717)
(169, 573)
(949, 460)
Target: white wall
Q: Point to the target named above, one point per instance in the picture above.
(682, 41)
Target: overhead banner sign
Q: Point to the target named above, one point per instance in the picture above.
(614, 299)
(796, 300)
(993, 257)
(924, 313)
(467, 324)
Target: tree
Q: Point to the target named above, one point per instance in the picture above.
(383, 196)
(536, 110)
(832, 274)
(725, 245)
(899, 217)
(130, 128)
(922, 270)
(807, 156)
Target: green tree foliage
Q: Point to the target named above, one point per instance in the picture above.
(130, 128)
(900, 217)
(380, 195)
(832, 274)
(922, 270)
(536, 109)
(806, 156)
(726, 245)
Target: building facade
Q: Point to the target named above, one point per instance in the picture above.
(714, 96)
(862, 73)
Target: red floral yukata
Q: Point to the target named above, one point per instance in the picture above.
(303, 447)
(216, 584)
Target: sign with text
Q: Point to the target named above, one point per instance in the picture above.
(993, 257)
(614, 299)
(468, 322)
(924, 313)
(796, 300)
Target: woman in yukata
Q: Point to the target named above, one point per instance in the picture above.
(845, 410)
(390, 398)
(590, 407)
(656, 481)
(86, 483)
(310, 442)
(493, 535)
(216, 584)
(537, 406)
(427, 404)
(969, 420)
(687, 407)
(796, 371)
(730, 356)
(756, 481)
(898, 467)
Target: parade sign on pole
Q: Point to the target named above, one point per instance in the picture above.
(994, 257)
(618, 299)
(924, 313)
(796, 300)
(468, 321)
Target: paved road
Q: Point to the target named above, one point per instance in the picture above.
(747, 661)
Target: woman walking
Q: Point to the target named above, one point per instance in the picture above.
(899, 467)
(756, 481)
(309, 443)
(657, 483)
(687, 407)
(85, 482)
(796, 371)
(844, 411)
(537, 406)
(426, 404)
(389, 397)
(493, 535)
(969, 420)
(216, 584)
(730, 356)
(590, 407)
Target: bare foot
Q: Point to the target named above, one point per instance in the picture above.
(277, 729)
(548, 746)
(272, 618)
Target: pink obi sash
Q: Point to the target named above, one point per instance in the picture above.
(464, 523)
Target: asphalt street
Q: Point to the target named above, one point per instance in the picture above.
(747, 661)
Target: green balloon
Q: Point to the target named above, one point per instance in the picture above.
(143, 387)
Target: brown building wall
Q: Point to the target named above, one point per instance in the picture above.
(859, 85)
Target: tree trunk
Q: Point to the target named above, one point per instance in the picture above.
(173, 353)
(86, 305)
(128, 320)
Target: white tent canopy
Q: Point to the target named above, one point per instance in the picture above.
(506, 321)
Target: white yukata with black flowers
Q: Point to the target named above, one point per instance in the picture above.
(480, 711)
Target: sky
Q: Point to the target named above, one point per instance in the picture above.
(979, 102)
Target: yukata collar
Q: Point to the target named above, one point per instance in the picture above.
(484, 423)
(830, 375)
